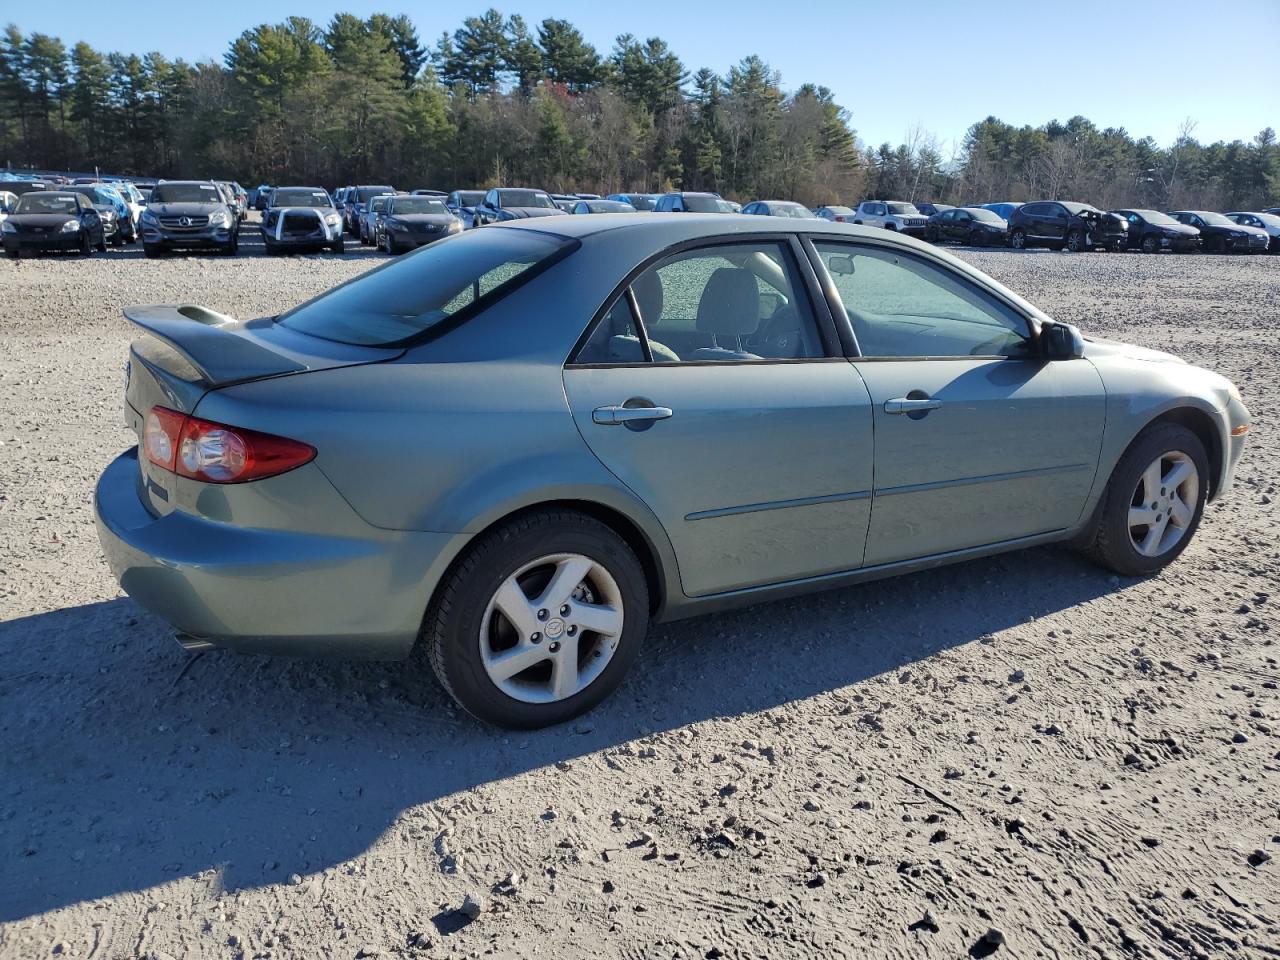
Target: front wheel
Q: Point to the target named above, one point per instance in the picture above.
(1153, 502)
(1150, 244)
(539, 620)
(1075, 241)
(338, 246)
(1018, 240)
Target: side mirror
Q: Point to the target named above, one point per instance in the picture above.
(841, 264)
(1061, 341)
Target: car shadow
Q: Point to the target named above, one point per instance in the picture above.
(128, 764)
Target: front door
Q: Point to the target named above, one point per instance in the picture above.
(729, 413)
(977, 439)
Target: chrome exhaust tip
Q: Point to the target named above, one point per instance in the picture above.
(193, 644)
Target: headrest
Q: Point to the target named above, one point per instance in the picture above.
(648, 291)
(730, 304)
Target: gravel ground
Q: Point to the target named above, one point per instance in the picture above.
(1019, 756)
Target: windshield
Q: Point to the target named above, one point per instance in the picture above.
(641, 202)
(907, 209)
(365, 194)
(789, 210)
(300, 197)
(47, 203)
(186, 193)
(609, 206)
(410, 296)
(702, 203)
(1156, 218)
(470, 198)
(524, 198)
(987, 216)
(418, 205)
(1215, 219)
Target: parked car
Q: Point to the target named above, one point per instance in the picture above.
(975, 226)
(188, 214)
(372, 215)
(117, 224)
(356, 200)
(602, 206)
(1220, 235)
(834, 214)
(261, 196)
(587, 196)
(414, 221)
(20, 187)
(502, 204)
(133, 198)
(462, 204)
(729, 206)
(1066, 225)
(7, 202)
(59, 220)
(1002, 210)
(1274, 211)
(1269, 222)
(688, 203)
(564, 201)
(527, 505)
(891, 215)
(929, 209)
(1152, 231)
(778, 208)
(641, 201)
(301, 218)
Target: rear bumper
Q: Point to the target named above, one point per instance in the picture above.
(267, 590)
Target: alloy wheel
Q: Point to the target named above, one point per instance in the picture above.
(551, 628)
(1163, 505)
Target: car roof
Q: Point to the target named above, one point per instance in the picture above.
(689, 226)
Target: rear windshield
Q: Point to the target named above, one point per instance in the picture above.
(365, 194)
(981, 213)
(411, 295)
(1156, 218)
(524, 198)
(789, 210)
(702, 203)
(186, 193)
(300, 198)
(418, 205)
(470, 198)
(46, 203)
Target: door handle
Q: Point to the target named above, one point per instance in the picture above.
(910, 405)
(615, 414)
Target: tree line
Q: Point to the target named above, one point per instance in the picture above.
(499, 100)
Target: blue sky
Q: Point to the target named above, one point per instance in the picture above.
(895, 65)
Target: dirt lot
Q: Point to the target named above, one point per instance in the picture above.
(1085, 764)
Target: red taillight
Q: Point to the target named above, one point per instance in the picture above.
(839, 219)
(215, 452)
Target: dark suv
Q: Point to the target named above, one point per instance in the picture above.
(354, 203)
(188, 213)
(1065, 224)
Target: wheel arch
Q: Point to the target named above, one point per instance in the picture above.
(1206, 429)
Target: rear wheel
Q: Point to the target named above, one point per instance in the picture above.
(1018, 240)
(539, 620)
(1153, 502)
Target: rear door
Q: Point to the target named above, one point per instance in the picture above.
(977, 439)
(714, 389)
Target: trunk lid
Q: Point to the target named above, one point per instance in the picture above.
(188, 350)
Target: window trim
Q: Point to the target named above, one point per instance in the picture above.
(828, 333)
(838, 309)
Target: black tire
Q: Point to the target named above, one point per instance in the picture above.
(931, 234)
(86, 245)
(1108, 542)
(151, 251)
(1216, 245)
(117, 240)
(451, 627)
(389, 245)
(1075, 241)
(977, 238)
(1150, 244)
(1018, 239)
(338, 246)
(232, 247)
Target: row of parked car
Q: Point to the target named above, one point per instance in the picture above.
(86, 215)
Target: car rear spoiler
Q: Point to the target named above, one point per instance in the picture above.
(221, 348)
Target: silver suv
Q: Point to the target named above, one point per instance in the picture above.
(188, 213)
(892, 215)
